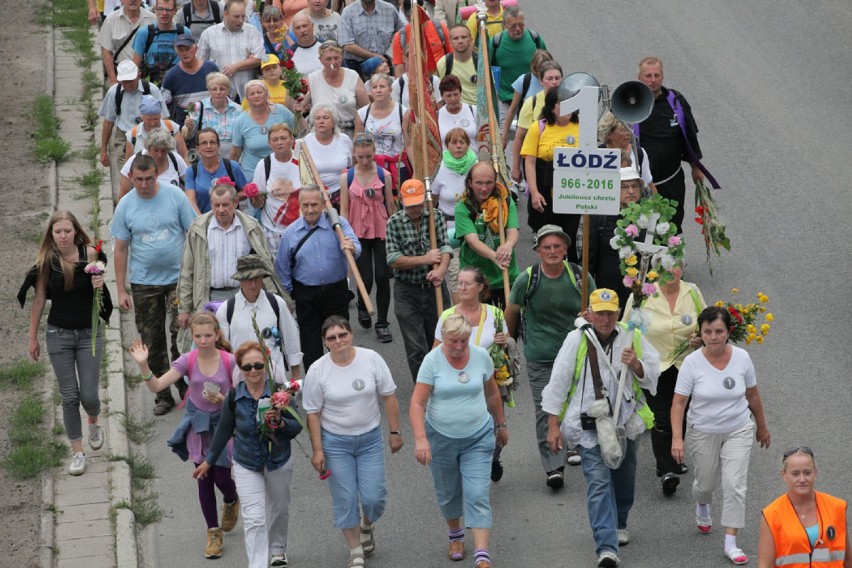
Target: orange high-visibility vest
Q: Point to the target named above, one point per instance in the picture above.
(792, 546)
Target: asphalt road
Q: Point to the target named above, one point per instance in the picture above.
(768, 82)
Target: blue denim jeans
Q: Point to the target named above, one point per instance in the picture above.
(461, 472)
(78, 373)
(357, 465)
(609, 494)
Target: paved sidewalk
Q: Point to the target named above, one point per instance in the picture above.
(81, 533)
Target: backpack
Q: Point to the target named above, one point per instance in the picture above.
(228, 169)
(533, 281)
(448, 63)
(119, 94)
(403, 39)
(232, 302)
(369, 106)
(171, 158)
(133, 131)
(158, 70)
(495, 43)
(267, 167)
(187, 13)
(350, 175)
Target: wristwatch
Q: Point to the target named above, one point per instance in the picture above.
(395, 433)
(502, 426)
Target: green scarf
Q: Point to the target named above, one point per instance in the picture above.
(460, 165)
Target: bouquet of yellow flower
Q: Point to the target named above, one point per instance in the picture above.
(746, 326)
(503, 374)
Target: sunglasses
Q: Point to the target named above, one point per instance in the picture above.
(252, 366)
(333, 338)
(797, 450)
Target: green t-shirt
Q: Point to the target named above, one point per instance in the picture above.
(513, 59)
(553, 309)
(468, 257)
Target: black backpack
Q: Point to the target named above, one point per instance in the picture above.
(495, 43)
(448, 63)
(157, 71)
(214, 6)
(119, 94)
(228, 169)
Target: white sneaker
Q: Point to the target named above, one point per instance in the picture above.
(78, 464)
(623, 537)
(96, 436)
(572, 457)
(608, 559)
(279, 561)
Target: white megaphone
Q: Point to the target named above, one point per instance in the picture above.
(572, 84)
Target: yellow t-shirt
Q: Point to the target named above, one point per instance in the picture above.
(541, 144)
(277, 95)
(493, 25)
(531, 110)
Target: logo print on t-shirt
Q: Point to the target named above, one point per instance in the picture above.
(358, 384)
(729, 383)
(686, 319)
(464, 377)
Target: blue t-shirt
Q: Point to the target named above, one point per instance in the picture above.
(186, 88)
(156, 229)
(162, 52)
(201, 180)
(457, 407)
(534, 88)
(254, 139)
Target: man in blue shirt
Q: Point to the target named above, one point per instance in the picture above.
(312, 267)
(153, 46)
(186, 82)
(151, 222)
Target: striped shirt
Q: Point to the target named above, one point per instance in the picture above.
(226, 246)
(224, 47)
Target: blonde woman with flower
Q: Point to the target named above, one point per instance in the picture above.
(487, 323)
(477, 226)
(672, 313)
(60, 275)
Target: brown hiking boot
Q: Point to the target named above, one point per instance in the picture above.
(230, 514)
(214, 543)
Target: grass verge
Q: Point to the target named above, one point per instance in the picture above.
(33, 449)
(49, 147)
(21, 373)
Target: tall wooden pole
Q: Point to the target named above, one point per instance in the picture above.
(334, 219)
(424, 147)
(493, 126)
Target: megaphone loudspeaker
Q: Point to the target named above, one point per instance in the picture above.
(632, 102)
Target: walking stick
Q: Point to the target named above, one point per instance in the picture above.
(334, 219)
(424, 147)
(493, 126)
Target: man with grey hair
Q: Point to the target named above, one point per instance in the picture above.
(306, 49)
(512, 51)
(160, 145)
(312, 266)
(214, 242)
(235, 47)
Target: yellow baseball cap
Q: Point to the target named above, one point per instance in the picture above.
(604, 300)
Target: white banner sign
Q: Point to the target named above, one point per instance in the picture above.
(586, 181)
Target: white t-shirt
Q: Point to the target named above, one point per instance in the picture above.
(171, 176)
(402, 97)
(272, 216)
(348, 397)
(342, 97)
(306, 59)
(448, 186)
(387, 131)
(464, 119)
(331, 160)
(719, 405)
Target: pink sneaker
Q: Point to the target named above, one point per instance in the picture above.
(704, 524)
(737, 556)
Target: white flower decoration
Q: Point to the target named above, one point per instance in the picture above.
(667, 261)
(643, 221)
(663, 228)
(615, 242)
(624, 252)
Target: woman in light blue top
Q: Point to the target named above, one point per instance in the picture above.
(453, 412)
(251, 129)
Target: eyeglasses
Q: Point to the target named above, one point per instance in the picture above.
(164, 10)
(329, 43)
(363, 138)
(339, 336)
(797, 450)
(516, 26)
(252, 366)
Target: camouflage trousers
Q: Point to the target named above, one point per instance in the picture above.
(152, 306)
